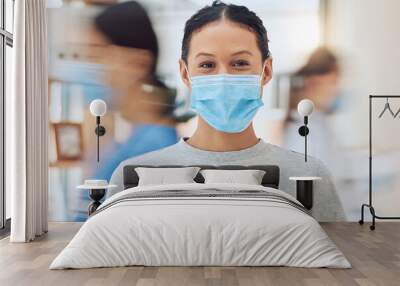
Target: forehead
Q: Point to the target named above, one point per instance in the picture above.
(92, 36)
(223, 38)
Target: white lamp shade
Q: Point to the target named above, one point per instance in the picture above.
(305, 107)
(98, 107)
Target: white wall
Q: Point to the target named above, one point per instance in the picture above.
(366, 33)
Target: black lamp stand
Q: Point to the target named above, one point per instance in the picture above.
(100, 131)
(304, 193)
(96, 195)
(304, 131)
(369, 205)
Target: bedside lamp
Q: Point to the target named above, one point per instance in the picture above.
(304, 185)
(305, 108)
(98, 108)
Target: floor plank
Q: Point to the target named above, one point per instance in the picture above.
(375, 257)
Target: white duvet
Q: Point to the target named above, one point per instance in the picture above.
(200, 231)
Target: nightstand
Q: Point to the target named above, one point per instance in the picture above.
(304, 190)
(97, 190)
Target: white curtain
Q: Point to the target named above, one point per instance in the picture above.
(27, 123)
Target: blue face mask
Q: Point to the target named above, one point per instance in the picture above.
(227, 102)
(89, 76)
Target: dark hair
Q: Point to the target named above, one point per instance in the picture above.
(219, 10)
(128, 25)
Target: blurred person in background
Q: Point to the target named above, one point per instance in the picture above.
(317, 80)
(129, 53)
(122, 40)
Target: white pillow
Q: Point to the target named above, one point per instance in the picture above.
(163, 176)
(249, 177)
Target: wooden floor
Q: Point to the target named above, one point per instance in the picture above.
(375, 257)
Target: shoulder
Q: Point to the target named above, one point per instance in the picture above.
(283, 152)
(293, 157)
(157, 157)
(153, 158)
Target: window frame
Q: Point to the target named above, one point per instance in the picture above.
(6, 39)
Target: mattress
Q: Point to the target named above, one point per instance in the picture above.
(201, 225)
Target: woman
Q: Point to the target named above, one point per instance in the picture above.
(317, 80)
(130, 55)
(225, 63)
(124, 43)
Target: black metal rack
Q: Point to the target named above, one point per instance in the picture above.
(369, 205)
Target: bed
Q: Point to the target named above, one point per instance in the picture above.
(198, 224)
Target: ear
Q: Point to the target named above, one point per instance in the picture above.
(184, 73)
(267, 75)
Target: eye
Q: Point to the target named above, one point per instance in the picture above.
(240, 63)
(206, 65)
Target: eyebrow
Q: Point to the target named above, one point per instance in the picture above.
(242, 52)
(234, 54)
(204, 54)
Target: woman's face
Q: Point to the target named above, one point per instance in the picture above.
(224, 47)
(126, 71)
(124, 65)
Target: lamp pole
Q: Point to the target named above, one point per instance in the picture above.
(98, 108)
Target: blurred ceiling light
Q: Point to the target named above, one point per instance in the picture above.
(54, 4)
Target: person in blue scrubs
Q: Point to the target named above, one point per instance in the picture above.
(140, 97)
(145, 138)
(125, 44)
(151, 131)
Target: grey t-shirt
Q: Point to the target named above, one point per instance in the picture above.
(326, 207)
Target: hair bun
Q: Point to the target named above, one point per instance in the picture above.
(217, 3)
